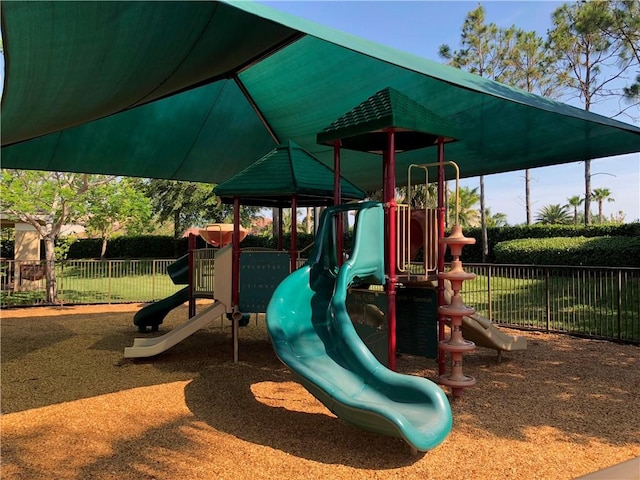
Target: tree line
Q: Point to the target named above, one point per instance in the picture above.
(590, 54)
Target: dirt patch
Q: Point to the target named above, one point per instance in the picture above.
(73, 407)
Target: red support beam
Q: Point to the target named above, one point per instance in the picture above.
(389, 170)
(235, 268)
(294, 233)
(337, 199)
(337, 192)
(441, 251)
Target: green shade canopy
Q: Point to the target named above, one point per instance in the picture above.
(197, 91)
(286, 171)
(363, 127)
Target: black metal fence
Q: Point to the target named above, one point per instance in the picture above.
(596, 302)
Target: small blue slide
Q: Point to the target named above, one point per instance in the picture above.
(313, 335)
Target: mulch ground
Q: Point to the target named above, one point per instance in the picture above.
(74, 408)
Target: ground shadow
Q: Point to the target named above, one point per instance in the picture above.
(21, 337)
(136, 457)
(583, 392)
(316, 436)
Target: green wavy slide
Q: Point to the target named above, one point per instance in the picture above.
(314, 337)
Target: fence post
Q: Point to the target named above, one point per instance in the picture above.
(489, 293)
(109, 288)
(61, 289)
(153, 281)
(548, 298)
(619, 304)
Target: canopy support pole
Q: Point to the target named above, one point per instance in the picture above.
(441, 251)
(255, 108)
(235, 277)
(294, 233)
(389, 183)
(337, 199)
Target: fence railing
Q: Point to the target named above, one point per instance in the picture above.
(86, 281)
(598, 302)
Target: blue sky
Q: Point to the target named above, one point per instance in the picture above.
(420, 27)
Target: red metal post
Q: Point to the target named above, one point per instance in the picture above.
(192, 297)
(441, 251)
(337, 199)
(337, 193)
(235, 268)
(235, 277)
(390, 203)
(294, 233)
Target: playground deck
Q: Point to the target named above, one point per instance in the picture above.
(74, 408)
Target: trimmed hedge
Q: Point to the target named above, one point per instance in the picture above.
(495, 235)
(167, 247)
(145, 246)
(578, 251)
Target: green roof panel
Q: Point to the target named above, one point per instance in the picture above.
(285, 171)
(364, 127)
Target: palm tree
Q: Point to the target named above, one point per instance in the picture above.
(575, 202)
(496, 220)
(600, 195)
(467, 198)
(553, 214)
(424, 195)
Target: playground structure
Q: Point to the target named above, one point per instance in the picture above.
(455, 310)
(308, 318)
(335, 345)
(195, 269)
(254, 272)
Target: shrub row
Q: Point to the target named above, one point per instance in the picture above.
(167, 247)
(578, 251)
(495, 235)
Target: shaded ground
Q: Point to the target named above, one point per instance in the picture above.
(74, 408)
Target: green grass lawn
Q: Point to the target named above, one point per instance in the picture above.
(123, 289)
(133, 288)
(590, 303)
(578, 301)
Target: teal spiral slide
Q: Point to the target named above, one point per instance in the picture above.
(314, 337)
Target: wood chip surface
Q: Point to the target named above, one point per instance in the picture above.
(74, 408)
